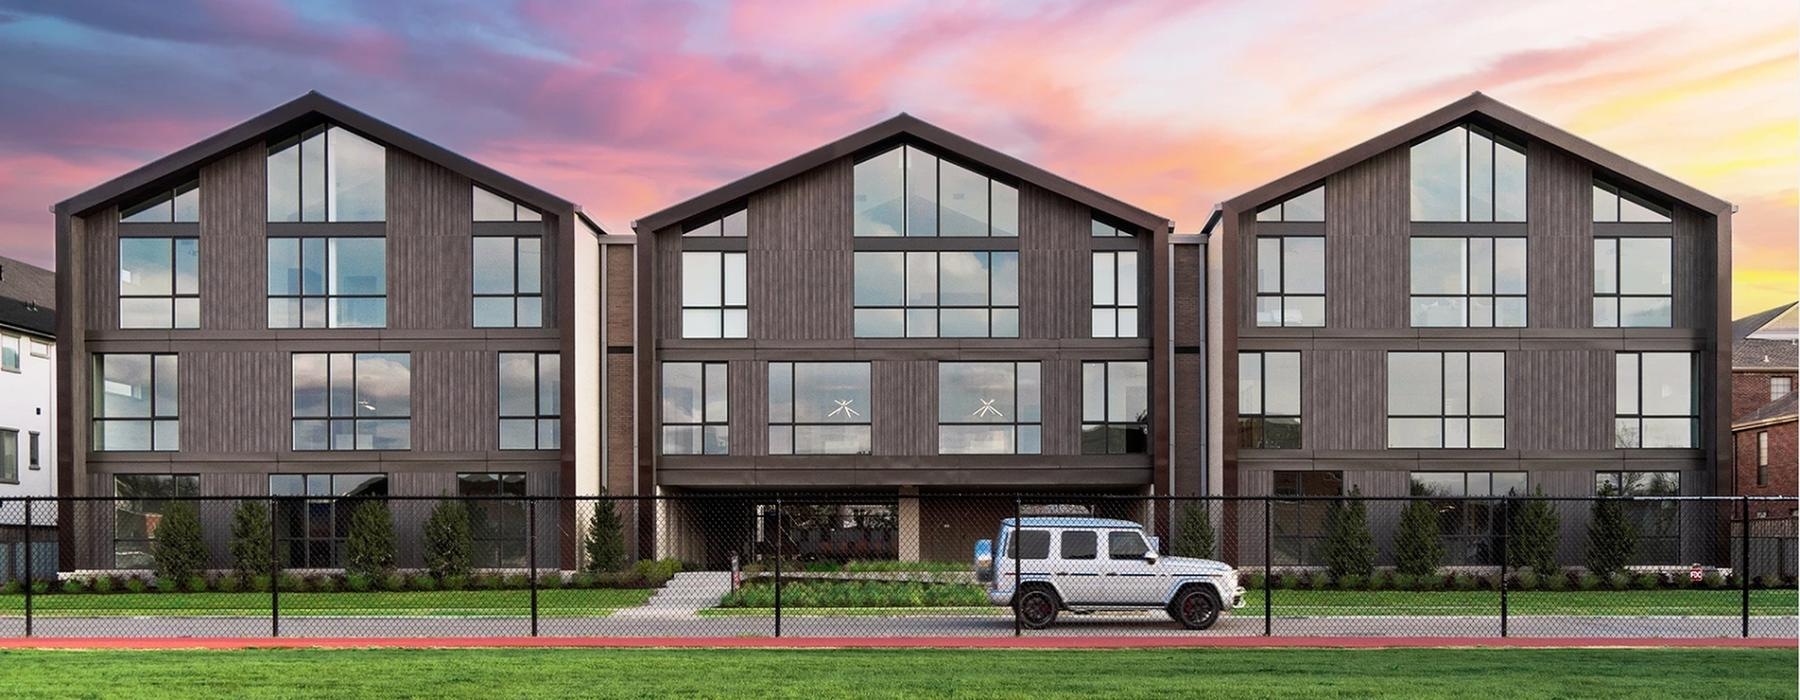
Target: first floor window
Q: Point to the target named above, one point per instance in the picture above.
(1290, 281)
(1656, 522)
(508, 284)
(1115, 294)
(1269, 400)
(1762, 457)
(1633, 282)
(1300, 524)
(352, 401)
(1115, 407)
(313, 511)
(715, 295)
(1656, 400)
(327, 283)
(136, 403)
(34, 459)
(140, 500)
(530, 401)
(159, 282)
(989, 408)
(1471, 527)
(1446, 400)
(695, 409)
(943, 294)
(498, 522)
(819, 408)
(9, 455)
(1468, 282)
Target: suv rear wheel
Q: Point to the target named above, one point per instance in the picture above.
(1036, 607)
(1195, 607)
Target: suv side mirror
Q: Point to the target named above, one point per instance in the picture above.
(1150, 556)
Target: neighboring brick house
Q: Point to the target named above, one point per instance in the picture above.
(1763, 425)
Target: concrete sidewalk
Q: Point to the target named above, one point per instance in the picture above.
(684, 595)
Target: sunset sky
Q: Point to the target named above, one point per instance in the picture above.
(627, 106)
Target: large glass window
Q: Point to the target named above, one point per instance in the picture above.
(1615, 205)
(1468, 174)
(327, 173)
(819, 408)
(1115, 407)
(907, 191)
(140, 500)
(1657, 523)
(508, 285)
(352, 401)
(1468, 282)
(989, 408)
(159, 282)
(1115, 294)
(311, 522)
(1633, 282)
(1269, 400)
(530, 401)
(1306, 206)
(489, 206)
(1470, 526)
(1290, 281)
(715, 297)
(1299, 525)
(499, 523)
(695, 409)
(136, 403)
(1656, 400)
(179, 205)
(937, 294)
(733, 225)
(327, 283)
(1446, 399)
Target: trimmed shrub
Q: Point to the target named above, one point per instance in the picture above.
(250, 539)
(12, 587)
(1464, 582)
(1589, 582)
(1403, 582)
(1350, 582)
(1712, 579)
(1419, 545)
(195, 583)
(228, 584)
(369, 548)
(40, 587)
(105, 584)
(1647, 582)
(292, 583)
(1194, 535)
(165, 585)
(1618, 581)
(1431, 582)
(1381, 581)
(393, 582)
(423, 582)
(1287, 582)
(259, 584)
(136, 585)
(582, 580)
(605, 543)
(657, 572)
(515, 581)
(1349, 548)
(358, 583)
(449, 541)
(1533, 531)
(1612, 539)
(1558, 581)
(179, 550)
(1253, 582)
(455, 583)
(324, 584)
(75, 585)
(1527, 580)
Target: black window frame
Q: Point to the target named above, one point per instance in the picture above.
(1469, 526)
(499, 523)
(1762, 457)
(1495, 141)
(518, 294)
(937, 328)
(180, 486)
(156, 416)
(354, 419)
(302, 296)
(539, 417)
(937, 196)
(1444, 416)
(1298, 523)
(518, 213)
(706, 423)
(1638, 415)
(298, 141)
(1280, 207)
(1617, 296)
(9, 463)
(1118, 435)
(172, 196)
(715, 227)
(34, 453)
(793, 422)
(1620, 195)
(1659, 545)
(296, 513)
(1253, 427)
(724, 305)
(175, 295)
(1468, 295)
(1118, 305)
(1018, 426)
(1281, 296)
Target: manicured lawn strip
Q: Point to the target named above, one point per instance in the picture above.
(551, 603)
(855, 594)
(901, 673)
(990, 611)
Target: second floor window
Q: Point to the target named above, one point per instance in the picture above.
(9, 352)
(1115, 313)
(137, 403)
(695, 409)
(1633, 283)
(352, 401)
(1656, 400)
(508, 284)
(9, 456)
(1446, 400)
(159, 282)
(989, 408)
(1780, 386)
(1762, 458)
(1269, 400)
(1115, 407)
(1290, 281)
(327, 283)
(530, 401)
(1468, 174)
(715, 295)
(946, 294)
(1468, 282)
(327, 173)
(819, 408)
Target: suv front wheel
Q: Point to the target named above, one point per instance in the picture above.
(1036, 607)
(1195, 607)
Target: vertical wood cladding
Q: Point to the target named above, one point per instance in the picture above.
(665, 284)
(1344, 399)
(747, 396)
(1366, 246)
(233, 253)
(1062, 406)
(235, 401)
(100, 265)
(455, 398)
(1055, 266)
(904, 419)
(1559, 399)
(1560, 249)
(1695, 257)
(430, 224)
(799, 233)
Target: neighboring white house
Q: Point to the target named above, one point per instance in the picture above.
(27, 397)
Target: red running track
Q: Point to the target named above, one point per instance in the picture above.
(888, 642)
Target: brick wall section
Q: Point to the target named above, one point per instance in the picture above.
(1782, 472)
(1750, 390)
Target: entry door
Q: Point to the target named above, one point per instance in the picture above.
(1134, 579)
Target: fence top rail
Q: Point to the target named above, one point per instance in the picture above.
(866, 498)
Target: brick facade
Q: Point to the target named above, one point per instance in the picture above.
(1750, 390)
(1782, 473)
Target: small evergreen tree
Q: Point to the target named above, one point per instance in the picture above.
(1612, 541)
(1349, 548)
(369, 548)
(605, 538)
(1533, 532)
(1419, 545)
(179, 549)
(1195, 536)
(449, 541)
(250, 540)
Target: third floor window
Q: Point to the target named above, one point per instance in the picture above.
(1468, 282)
(907, 191)
(180, 205)
(1290, 281)
(327, 173)
(715, 295)
(1633, 283)
(327, 283)
(1656, 400)
(1115, 312)
(530, 400)
(159, 282)
(1468, 174)
(1269, 400)
(508, 284)
(1115, 407)
(937, 294)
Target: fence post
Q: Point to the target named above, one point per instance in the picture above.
(1744, 559)
(531, 558)
(29, 583)
(274, 571)
(1506, 506)
(1018, 553)
(1268, 570)
(780, 538)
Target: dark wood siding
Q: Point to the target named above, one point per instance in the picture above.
(1560, 250)
(235, 401)
(430, 223)
(800, 257)
(233, 252)
(1695, 299)
(906, 410)
(455, 401)
(100, 294)
(1366, 227)
(1559, 399)
(1056, 266)
(1344, 399)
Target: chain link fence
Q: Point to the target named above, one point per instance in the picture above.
(895, 565)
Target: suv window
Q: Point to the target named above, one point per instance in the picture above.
(1125, 544)
(1078, 544)
(1035, 543)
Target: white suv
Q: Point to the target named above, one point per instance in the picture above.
(1088, 564)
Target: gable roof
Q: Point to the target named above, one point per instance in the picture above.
(165, 171)
(1480, 104)
(1780, 410)
(900, 125)
(1750, 350)
(27, 297)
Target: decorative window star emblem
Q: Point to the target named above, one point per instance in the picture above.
(987, 409)
(843, 407)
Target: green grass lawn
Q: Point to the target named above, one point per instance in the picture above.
(816, 673)
(551, 603)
